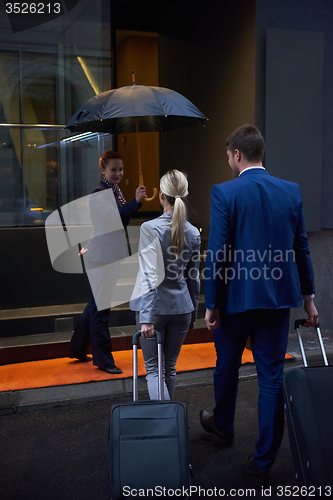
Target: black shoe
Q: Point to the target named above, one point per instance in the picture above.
(208, 424)
(114, 370)
(259, 477)
(81, 357)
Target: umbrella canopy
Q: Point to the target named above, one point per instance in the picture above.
(136, 108)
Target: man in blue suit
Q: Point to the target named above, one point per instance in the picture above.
(258, 266)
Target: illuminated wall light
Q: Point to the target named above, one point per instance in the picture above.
(93, 136)
(46, 145)
(89, 75)
(76, 137)
(86, 136)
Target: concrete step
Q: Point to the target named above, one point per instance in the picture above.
(34, 334)
(20, 349)
(40, 333)
(53, 319)
(60, 318)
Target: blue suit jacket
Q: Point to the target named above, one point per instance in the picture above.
(258, 253)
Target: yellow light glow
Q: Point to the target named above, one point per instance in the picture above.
(89, 75)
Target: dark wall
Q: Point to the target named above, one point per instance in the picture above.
(27, 276)
(217, 73)
(312, 16)
(294, 113)
(207, 53)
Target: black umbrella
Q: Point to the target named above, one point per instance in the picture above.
(136, 108)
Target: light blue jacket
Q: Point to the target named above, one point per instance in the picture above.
(165, 284)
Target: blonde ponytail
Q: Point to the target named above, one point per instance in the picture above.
(175, 186)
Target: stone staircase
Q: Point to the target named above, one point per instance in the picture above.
(32, 334)
(38, 333)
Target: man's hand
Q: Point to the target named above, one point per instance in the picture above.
(212, 318)
(147, 330)
(312, 313)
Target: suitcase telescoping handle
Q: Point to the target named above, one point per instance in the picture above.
(135, 365)
(298, 324)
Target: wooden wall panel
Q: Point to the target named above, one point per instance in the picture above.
(139, 53)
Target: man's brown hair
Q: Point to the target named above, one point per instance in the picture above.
(249, 141)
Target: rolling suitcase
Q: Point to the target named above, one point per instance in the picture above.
(149, 443)
(308, 396)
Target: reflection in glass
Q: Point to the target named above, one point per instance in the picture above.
(9, 88)
(46, 74)
(39, 88)
(12, 187)
(42, 168)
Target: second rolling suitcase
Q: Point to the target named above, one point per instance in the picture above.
(308, 394)
(148, 443)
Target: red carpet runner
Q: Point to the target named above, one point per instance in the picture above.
(66, 371)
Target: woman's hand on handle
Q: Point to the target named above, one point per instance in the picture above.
(147, 330)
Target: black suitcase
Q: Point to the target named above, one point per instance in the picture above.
(308, 396)
(149, 443)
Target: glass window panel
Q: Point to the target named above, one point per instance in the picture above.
(42, 169)
(39, 88)
(9, 88)
(46, 73)
(12, 190)
(55, 171)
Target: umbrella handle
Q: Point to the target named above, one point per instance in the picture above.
(139, 150)
(155, 192)
(152, 197)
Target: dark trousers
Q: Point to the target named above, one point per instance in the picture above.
(93, 327)
(268, 330)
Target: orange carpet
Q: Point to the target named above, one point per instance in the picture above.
(66, 371)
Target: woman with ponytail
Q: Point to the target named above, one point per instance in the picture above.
(166, 295)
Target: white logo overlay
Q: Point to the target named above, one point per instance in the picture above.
(87, 235)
